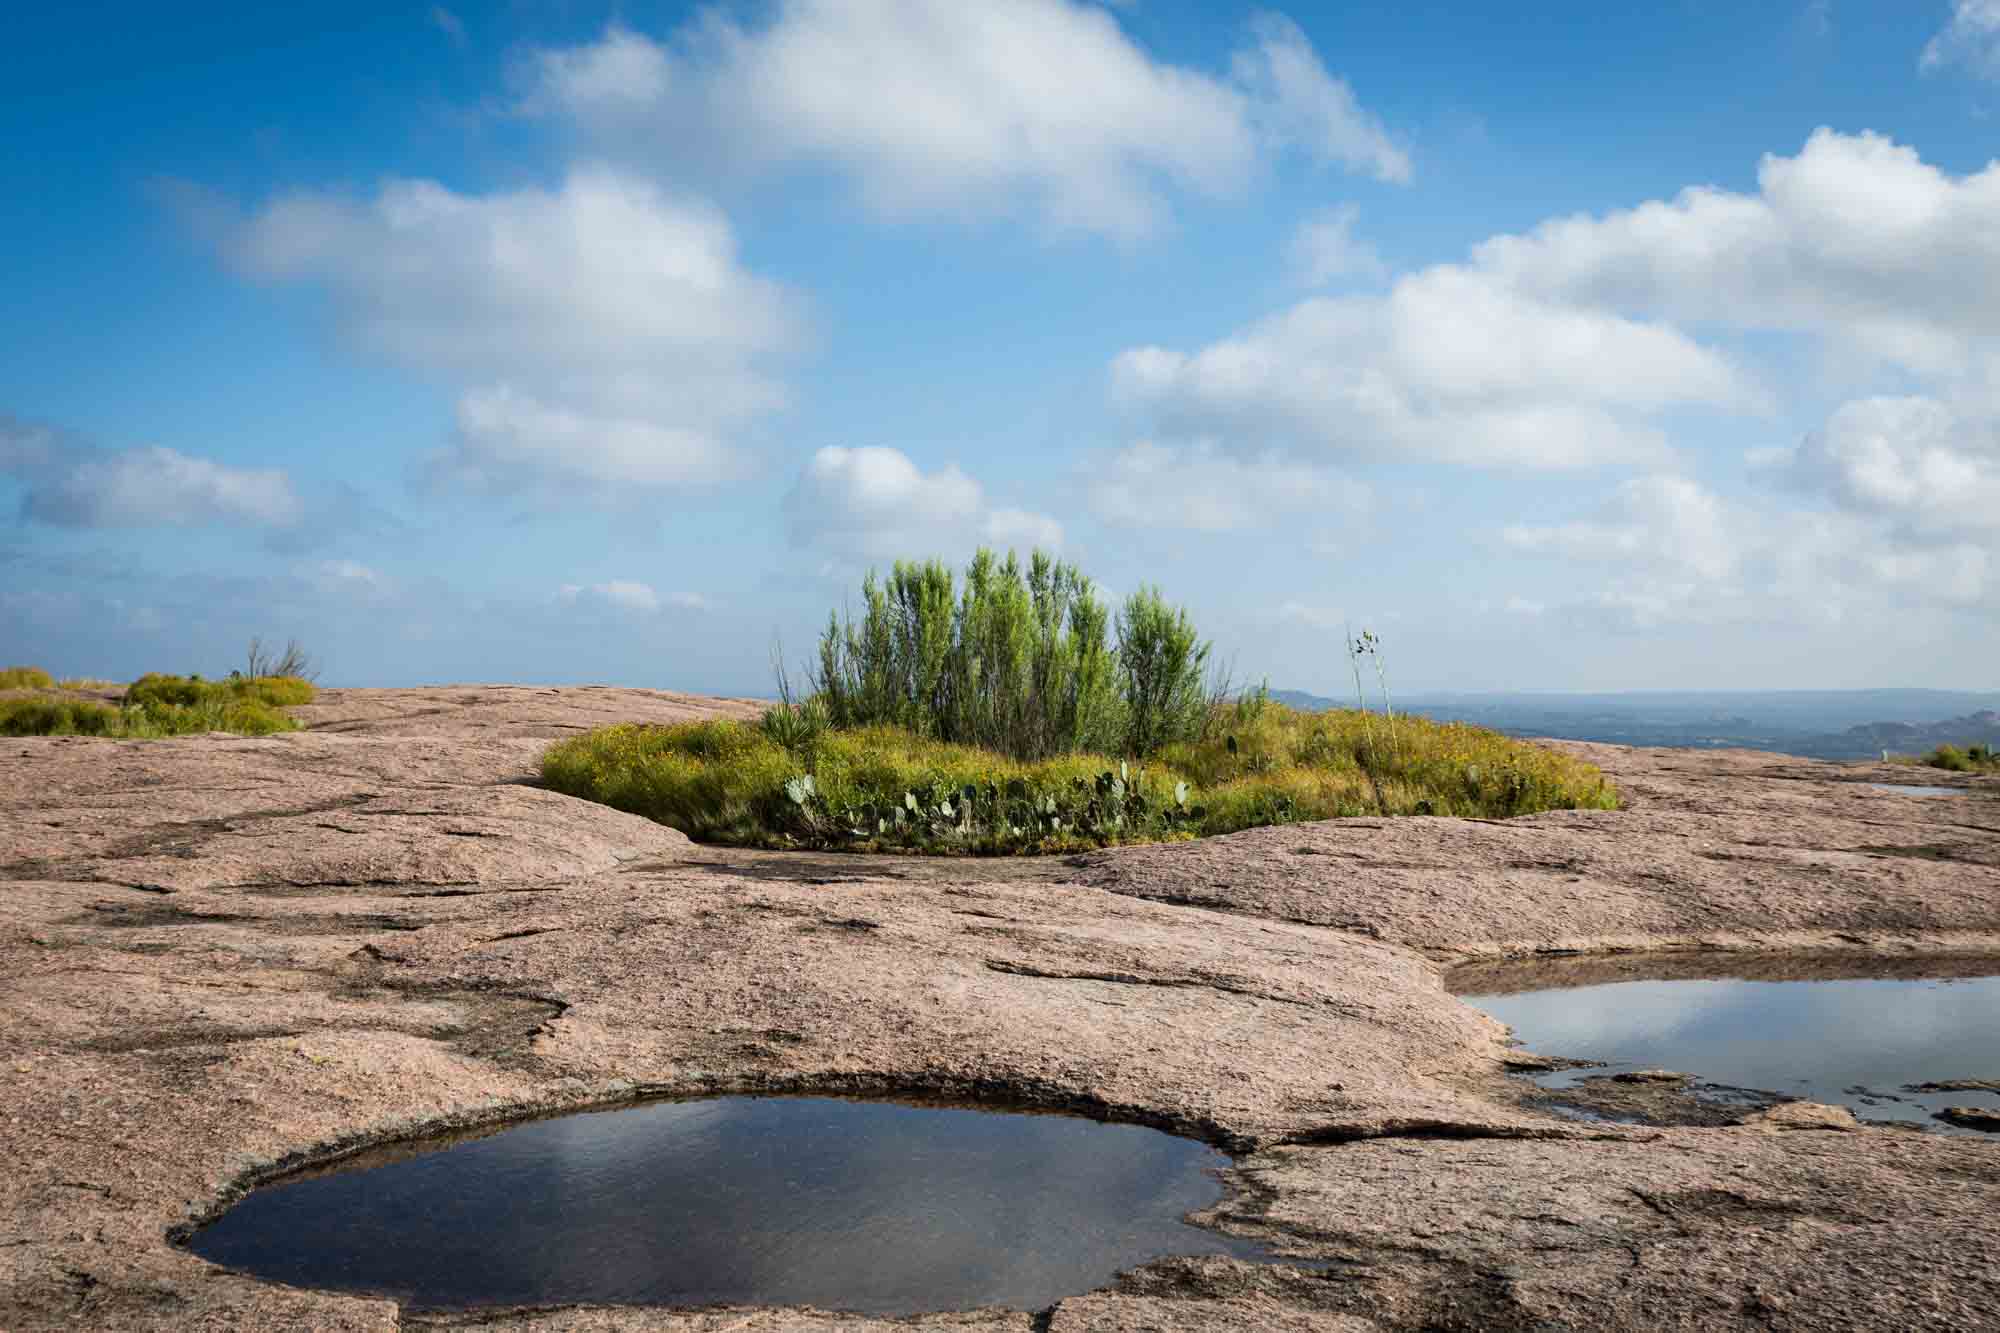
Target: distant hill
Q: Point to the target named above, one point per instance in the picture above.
(1819, 724)
(1982, 727)
(1311, 703)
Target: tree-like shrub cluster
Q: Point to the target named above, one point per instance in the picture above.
(1024, 661)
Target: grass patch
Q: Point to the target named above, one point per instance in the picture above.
(25, 678)
(154, 690)
(887, 788)
(157, 706)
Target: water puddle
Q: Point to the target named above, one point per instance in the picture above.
(1889, 1047)
(1901, 789)
(875, 1207)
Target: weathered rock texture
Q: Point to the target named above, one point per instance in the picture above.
(220, 958)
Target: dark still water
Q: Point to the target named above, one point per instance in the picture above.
(867, 1206)
(1858, 1043)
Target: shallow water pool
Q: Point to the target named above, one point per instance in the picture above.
(1903, 789)
(867, 1206)
(1862, 1043)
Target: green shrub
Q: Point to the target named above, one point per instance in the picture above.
(83, 717)
(884, 787)
(25, 678)
(154, 690)
(1161, 662)
(797, 727)
(56, 717)
(1020, 660)
(156, 706)
(1972, 759)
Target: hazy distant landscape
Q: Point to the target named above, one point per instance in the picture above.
(1818, 724)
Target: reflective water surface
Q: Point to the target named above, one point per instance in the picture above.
(867, 1206)
(1860, 1043)
(1904, 789)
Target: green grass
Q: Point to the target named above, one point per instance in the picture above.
(154, 690)
(883, 788)
(157, 706)
(25, 678)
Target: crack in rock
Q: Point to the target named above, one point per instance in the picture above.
(1133, 979)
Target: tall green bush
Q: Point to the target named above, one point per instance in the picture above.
(1018, 659)
(1161, 663)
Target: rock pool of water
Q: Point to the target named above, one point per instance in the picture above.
(1863, 1043)
(867, 1206)
(1903, 789)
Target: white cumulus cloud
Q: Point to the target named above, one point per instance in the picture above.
(1665, 522)
(77, 486)
(602, 334)
(1450, 366)
(1567, 345)
(1913, 459)
(1856, 240)
(942, 107)
(875, 503)
(1665, 549)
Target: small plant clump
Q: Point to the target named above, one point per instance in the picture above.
(156, 705)
(885, 788)
(55, 716)
(25, 678)
(153, 690)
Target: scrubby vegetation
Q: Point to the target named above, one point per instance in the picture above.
(1972, 759)
(25, 678)
(262, 664)
(880, 787)
(156, 705)
(54, 715)
(155, 691)
(1018, 715)
(1023, 661)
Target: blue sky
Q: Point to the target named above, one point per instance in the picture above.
(570, 342)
